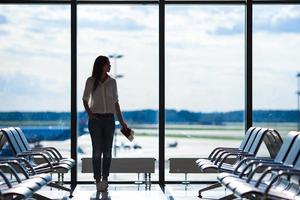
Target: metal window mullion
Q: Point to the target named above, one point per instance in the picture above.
(74, 90)
(248, 64)
(161, 92)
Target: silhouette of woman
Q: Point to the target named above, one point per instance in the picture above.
(100, 100)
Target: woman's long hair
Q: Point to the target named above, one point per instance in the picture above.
(98, 69)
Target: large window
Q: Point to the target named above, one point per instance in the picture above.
(276, 43)
(204, 74)
(204, 80)
(129, 35)
(35, 45)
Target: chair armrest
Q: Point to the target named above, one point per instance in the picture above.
(221, 158)
(218, 149)
(232, 154)
(53, 150)
(218, 155)
(11, 169)
(244, 160)
(261, 163)
(292, 172)
(36, 154)
(15, 162)
(269, 170)
(20, 159)
(5, 179)
(50, 157)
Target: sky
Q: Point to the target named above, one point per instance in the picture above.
(205, 55)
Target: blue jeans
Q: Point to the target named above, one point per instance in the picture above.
(102, 131)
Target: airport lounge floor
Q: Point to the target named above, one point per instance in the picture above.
(134, 192)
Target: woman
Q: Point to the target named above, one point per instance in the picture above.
(100, 100)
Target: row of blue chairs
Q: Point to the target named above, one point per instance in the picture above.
(29, 169)
(253, 177)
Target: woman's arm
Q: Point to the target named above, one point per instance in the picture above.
(88, 110)
(86, 96)
(119, 115)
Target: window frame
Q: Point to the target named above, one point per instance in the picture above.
(161, 6)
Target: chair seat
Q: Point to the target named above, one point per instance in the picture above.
(222, 175)
(24, 192)
(68, 160)
(41, 180)
(58, 168)
(45, 177)
(29, 183)
(202, 161)
(209, 168)
(242, 188)
(212, 168)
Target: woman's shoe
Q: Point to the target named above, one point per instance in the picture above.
(105, 185)
(102, 186)
(99, 186)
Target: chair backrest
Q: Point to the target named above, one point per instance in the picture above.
(273, 142)
(23, 138)
(18, 139)
(2, 139)
(286, 146)
(12, 141)
(297, 163)
(293, 153)
(295, 179)
(246, 137)
(251, 140)
(258, 140)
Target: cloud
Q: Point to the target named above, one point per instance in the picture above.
(284, 26)
(236, 29)
(30, 92)
(35, 30)
(20, 84)
(277, 18)
(3, 33)
(115, 24)
(195, 18)
(204, 55)
(3, 19)
(119, 18)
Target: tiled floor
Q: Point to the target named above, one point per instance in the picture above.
(135, 192)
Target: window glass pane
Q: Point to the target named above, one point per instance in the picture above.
(35, 46)
(130, 31)
(276, 46)
(204, 81)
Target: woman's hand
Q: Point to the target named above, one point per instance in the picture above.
(88, 110)
(91, 115)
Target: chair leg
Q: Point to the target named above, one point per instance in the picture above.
(55, 185)
(228, 197)
(40, 197)
(210, 187)
(62, 178)
(58, 178)
(73, 186)
(58, 186)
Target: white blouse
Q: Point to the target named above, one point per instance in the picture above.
(104, 97)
